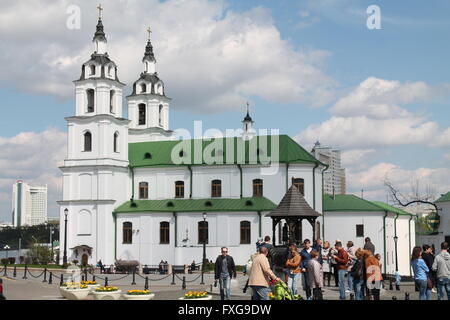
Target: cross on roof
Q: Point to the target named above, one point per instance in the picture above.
(149, 32)
(248, 105)
(99, 7)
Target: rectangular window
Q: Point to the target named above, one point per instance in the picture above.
(203, 232)
(360, 230)
(164, 235)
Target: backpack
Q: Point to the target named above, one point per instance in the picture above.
(357, 270)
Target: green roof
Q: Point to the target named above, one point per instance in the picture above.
(350, 202)
(159, 153)
(444, 197)
(198, 205)
(347, 202)
(387, 207)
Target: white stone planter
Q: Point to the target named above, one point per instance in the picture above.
(74, 294)
(138, 297)
(208, 297)
(92, 287)
(112, 295)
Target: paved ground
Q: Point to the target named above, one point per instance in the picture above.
(34, 289)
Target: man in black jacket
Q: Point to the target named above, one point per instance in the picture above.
(224, 270)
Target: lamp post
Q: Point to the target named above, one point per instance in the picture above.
(396, 257)
(204, 247)
(66, 212)
(6, 248)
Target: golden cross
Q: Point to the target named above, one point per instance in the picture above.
(149, 32)
(99, 7)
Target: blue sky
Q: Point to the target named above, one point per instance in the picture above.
(411, 49)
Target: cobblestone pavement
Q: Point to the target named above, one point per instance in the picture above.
(17, 288)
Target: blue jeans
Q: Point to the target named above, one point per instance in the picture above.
(225, 288)
(292, 282)
(350, 281)
(358, 287)
(424, 292)
(260, 293)
(341, 277)
(443, 284)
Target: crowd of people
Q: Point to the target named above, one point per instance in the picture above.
(355, 270)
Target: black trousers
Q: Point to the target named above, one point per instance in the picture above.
(336, 274)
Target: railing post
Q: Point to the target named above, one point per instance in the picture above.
(406, 296)
(6, 267)
(50, 278)
(146, 283)
(15, 272)
(61, 281)
(390, 284)
(352, 296)
(134, 278)
(106, 281)
(183, 285)
(45, 275)
(25, 272)
(173, 278)
(85, 274)
(93, 277)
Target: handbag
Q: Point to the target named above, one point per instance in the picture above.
(317, 294)
(429, 283)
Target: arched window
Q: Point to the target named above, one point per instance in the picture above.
(257, 188)
(127, 233)
(88, 141)
(92, 67)
(164, 232)
(143, 190)
(160, 115)
(300, 184)
(142, 116)
(245, 232)
(90, 93)
(203, 232)
(110, 69)
(143, 88)
(179, 189)
(216, 188)
(111, 101)
(116, 142)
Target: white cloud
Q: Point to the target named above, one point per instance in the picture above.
(373, 115)
(380, 99)
(34, 158)
(372, 179)
(209, 56)
(355, 156)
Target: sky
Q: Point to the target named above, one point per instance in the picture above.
(311, 68)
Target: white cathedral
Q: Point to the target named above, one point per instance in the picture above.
(133, 191)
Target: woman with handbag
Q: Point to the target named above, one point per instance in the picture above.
(421, 271)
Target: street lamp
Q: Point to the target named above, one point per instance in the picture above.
(204, 247)
(66, 212)
(6, 248)
(396, 257)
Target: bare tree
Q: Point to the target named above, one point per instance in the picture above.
(416, 196)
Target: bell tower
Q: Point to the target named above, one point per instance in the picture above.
(95, 170)
(148, 106)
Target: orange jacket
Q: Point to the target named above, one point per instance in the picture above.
(294, 264)
(373, 269)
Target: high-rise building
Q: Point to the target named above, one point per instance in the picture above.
(334, 177)
(29, 206)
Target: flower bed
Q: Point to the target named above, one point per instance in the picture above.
(106, 293)
(196, 295)
(138, 295)
(92, 285)
(282, 292)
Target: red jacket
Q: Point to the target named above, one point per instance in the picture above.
(342, 259)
